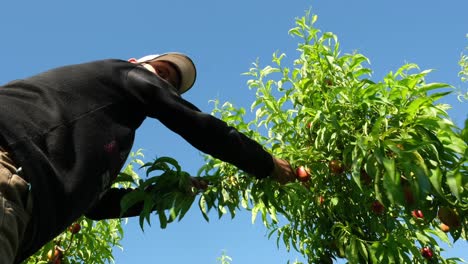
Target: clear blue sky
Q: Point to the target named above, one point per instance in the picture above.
(224, 38)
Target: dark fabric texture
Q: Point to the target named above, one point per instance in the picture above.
(72, 128)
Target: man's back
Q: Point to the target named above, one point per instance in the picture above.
(71, 130)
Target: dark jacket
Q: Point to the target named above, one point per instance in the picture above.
(72, 128)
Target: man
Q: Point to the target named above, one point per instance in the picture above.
(66, 133)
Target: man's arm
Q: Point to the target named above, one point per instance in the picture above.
(203, 131)
(108, 207)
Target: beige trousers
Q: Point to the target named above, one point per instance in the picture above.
(15, 208)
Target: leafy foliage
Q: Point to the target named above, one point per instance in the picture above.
(463, 62)
(387, 165)
(224, 259)
(169, 194)
(464, 67)
(377, 152)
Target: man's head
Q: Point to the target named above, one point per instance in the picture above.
(175, 68)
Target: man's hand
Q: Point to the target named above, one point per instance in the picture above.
(199, 183)
(282, 171)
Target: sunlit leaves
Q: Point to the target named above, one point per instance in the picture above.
(463, 62)
(398, 148)
(168, 191)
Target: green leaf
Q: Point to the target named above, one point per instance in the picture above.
(422, 237)
(255, 210)
(162, 220)
(185, 205)
(170, 161)
(375, 133)
(155, 166)
(391, 181)
(440, 234)
(464, 133)
(202, 204)
(225, 195)
(357, 159)
(334, 201)
(124, 177)
(405, 68)
(272, 213)
(363, 71)
(269, 70)
(357, 60)
(436, 180)
(433, 86)
(352, 251)
(148, 206)
(295, 31)
(436, 96)
(415, 106)
(149, 182)
(454, 181)
(420, 170)
(362, 250)
(221, 210)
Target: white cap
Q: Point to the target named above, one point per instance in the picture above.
(185, 65)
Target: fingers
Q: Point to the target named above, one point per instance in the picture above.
(283, 171)
(199, 183)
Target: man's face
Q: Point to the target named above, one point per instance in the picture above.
(167, 71)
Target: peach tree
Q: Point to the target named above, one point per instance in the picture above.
(384, 168)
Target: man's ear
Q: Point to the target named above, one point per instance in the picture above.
(132, 60)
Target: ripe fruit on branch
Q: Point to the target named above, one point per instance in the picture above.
(55, 255)
(302, 174)
(320, 200)
(336, 166)
(408, 195)
(417, 214)
(445, 228)
(50, 254)
(377, 207)
(427, 253)
(448, 216)
(74, 228)
(365, 178)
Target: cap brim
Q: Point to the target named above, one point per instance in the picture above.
(185, 65)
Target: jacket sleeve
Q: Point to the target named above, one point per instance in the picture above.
(203, 131)
(108, 207)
